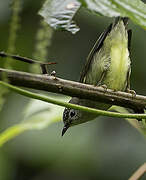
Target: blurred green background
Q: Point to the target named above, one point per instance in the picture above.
(105, 148)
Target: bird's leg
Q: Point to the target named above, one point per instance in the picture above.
(128, 90)
(137, 110)
(101, 80)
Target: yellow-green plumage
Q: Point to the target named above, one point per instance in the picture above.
(120, 61)
(107, 64)
(112, 59)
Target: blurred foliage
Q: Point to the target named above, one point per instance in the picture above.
(14, 25)
(13, 29)
(102, 149)
(43, 40)
(37, 116)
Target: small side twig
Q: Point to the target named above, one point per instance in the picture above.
(138, 173)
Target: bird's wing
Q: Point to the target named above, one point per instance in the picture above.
(99, 44)
(94, 50)
(129, 39)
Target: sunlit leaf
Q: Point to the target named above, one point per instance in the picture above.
(134, 9)
(59, 14)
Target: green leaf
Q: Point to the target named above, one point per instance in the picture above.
(134, 9)
(70, 105)
(139, 125)
(59, 14)
(37, 116)
(36, 120)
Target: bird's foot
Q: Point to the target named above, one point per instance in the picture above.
(131, 92)
(104, 86)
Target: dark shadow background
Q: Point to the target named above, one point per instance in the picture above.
(102, 149)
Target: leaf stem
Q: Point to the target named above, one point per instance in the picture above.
(61, 103)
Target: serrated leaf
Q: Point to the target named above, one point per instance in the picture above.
(59, 14)
(134, 9)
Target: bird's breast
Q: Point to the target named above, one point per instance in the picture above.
(116, 77)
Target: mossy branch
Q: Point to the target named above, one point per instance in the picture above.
(70, 88)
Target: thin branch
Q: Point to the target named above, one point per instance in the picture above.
(139, 172)
(24, 59)
(43, 65)
(74, 89)
(73, 106)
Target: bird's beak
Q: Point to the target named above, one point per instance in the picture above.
(65, 128)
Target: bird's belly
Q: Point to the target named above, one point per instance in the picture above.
(116, 77)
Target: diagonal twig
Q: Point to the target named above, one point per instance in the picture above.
(138, 173)
(71, 88)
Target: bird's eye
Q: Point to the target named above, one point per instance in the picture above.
(72, 113)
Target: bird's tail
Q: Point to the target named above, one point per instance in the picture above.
(124, 19)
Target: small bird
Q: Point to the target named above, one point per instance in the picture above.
(108, 64)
